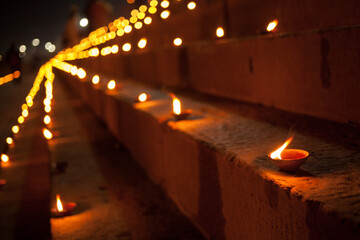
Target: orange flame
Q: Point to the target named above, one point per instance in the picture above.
(277, 153)
(142, 97)
(4, 157)
(47, 134)
(176, 105)
(272, 25)
(59, 205)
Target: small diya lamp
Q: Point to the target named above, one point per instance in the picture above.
(177, 112)
(288, 159)
(62, 210)
(143, 97)
(112, 85)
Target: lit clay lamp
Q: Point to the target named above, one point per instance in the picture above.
(62, 210)
(143, 97)
(288, 159)
(177, 113)
(112, 85)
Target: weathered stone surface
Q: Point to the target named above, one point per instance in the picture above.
(215, 167)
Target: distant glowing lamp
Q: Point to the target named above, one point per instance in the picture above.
(15, 129)
(111, 84)
(95, 79)
(177, 41)
(142, 43)
(47, 134)
(84, 22)
(272, 25)
(4, 157)
(220, 32)
(191, 5)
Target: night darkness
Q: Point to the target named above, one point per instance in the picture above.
(24, 20)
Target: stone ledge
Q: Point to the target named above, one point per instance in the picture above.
(215, 169)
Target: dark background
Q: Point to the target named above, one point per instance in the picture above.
(23, 20)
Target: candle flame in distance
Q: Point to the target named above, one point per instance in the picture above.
(176, 106)
(4, 157)
(59, 205)
(47, 134)
(95, 79)
(47, 119)
(142, 97)
(277, 153)
(272, 25)
(111, 84)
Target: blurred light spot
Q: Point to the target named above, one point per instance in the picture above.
(4, 157)
(142, 43)
(22, 48)
(220, 32)
(84, 22)
(95, 79)
(138, 25)
(47, 45)
(165, 14)
(52, 48)
(47, 134)
(111, 84)
(126, 47)
(191, 5)
(21, 119)
(152, 10)
(128, 29)
(165, 4)
(147, 20)
(114, 49)
(9, 140)
(177, 41)
(153, 3)
(143, 8)
(15, 129)
(35, 42)
(47, 119)
(272, 25)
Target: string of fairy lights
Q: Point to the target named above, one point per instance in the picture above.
(88, 47)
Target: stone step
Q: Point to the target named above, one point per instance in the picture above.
(214, 166)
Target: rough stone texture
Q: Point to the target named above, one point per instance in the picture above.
(249, 17)
(115, 198)
(24, 200)
(215, 168)
(312, 74)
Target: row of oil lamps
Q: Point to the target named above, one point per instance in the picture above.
(122, 26)
(285, 159)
